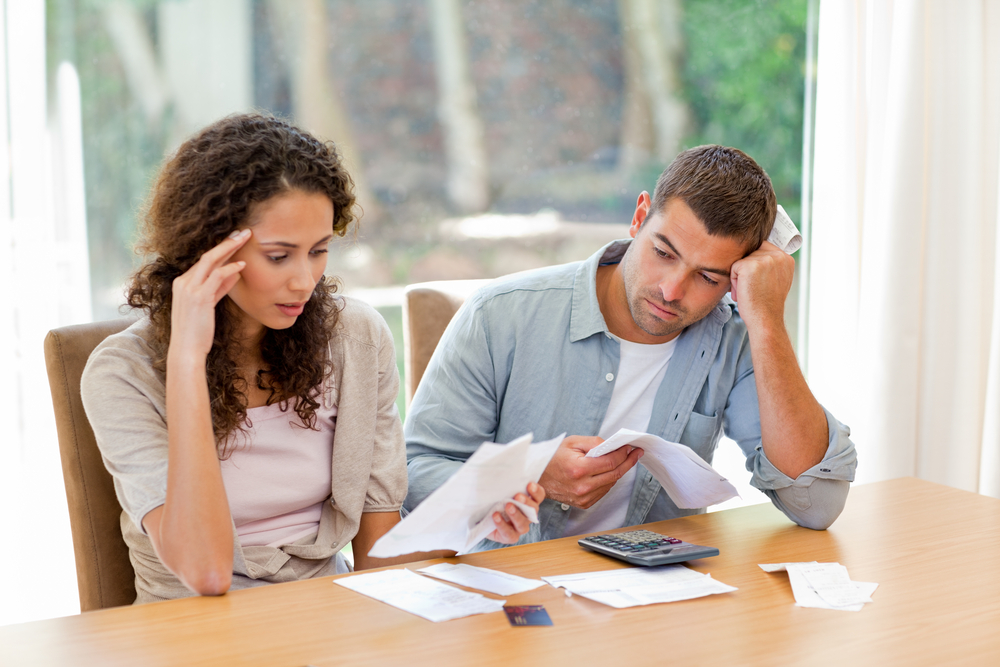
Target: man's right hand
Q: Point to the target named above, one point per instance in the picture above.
(573, 479)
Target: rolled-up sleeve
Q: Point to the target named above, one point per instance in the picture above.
(816, 497)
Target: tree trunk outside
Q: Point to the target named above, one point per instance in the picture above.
(316, 105)
(464, 141)
(652, 45)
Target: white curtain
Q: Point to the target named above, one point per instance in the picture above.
(904, 315)
(44, 284)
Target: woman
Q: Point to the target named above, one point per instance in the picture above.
(249, 419)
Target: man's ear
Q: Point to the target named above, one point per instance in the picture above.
(642, 208)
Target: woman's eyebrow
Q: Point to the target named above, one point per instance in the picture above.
(286, 244)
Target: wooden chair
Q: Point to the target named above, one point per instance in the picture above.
(104, 572)
(427, 310)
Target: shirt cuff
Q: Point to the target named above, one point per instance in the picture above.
(839, 462)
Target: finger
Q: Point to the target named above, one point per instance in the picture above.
(612, 476)
(222, 279)
(215, 257)
(517, 519)
(537, 492)
(581, 443)
(504, 532)
(611, 460)
(227, 284)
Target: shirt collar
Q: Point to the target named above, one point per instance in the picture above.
(586, 318)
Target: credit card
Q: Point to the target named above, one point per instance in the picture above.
(523, 616)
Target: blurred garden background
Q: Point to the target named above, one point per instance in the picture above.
(485, 137)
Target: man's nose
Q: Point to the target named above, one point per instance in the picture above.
(673, 286)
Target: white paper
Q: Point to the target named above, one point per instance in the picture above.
(785, 234)
(419, 595)
(829, 581)
(689, 481)
(458, 514)
(777, 567)
(824, 585)
(640, 586)
(482, 578)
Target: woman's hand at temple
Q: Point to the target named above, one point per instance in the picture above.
(196, 293)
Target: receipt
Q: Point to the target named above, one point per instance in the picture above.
(640, 585)
(689, 481)
(457, 515)
(824, 585)
(491, 581)
(785, 234)
(410, 592)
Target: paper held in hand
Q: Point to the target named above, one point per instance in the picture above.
(689, 481)
(785, 234)
(458, 515)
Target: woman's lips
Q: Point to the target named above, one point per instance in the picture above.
(291, 309)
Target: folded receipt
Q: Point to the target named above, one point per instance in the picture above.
(686, 477)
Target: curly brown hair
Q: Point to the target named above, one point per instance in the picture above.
(205, 191)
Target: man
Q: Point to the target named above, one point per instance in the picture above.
(641, 335)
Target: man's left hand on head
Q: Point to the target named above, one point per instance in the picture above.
(761, 282)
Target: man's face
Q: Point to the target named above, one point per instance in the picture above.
(674, 271)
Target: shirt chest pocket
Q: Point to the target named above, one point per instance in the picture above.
(701, 434)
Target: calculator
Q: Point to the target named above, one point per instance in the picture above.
(644, 547)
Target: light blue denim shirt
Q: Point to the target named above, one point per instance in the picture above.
(532, 353)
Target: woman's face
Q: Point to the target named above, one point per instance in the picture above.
(285, 258)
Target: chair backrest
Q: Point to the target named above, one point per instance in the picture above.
(427, 310)
(104, 572)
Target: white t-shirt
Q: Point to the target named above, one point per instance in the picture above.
(640, 373)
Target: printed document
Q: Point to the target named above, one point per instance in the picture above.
(785, 234)
(824, 585)
(459, 513)
(686, 477)
(636, 586)
(491, 581)
(419, 595)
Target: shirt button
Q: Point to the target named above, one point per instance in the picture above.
(564, 507)
(609, 377)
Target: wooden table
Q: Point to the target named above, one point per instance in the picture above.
(934, 550)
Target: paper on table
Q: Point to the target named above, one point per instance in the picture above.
(829, 581)
(824, 585)
(458, 514)
(776, 567)
(686, 477)
(419, 595)
(482, 578)
(640, 586)
(785, 234)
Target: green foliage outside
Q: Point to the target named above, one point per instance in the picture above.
(394, 318)
(744, 83)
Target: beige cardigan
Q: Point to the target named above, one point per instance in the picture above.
(125, 400)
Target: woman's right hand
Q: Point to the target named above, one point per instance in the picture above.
(196, 293)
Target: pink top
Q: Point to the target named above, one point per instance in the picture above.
(278, 478)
